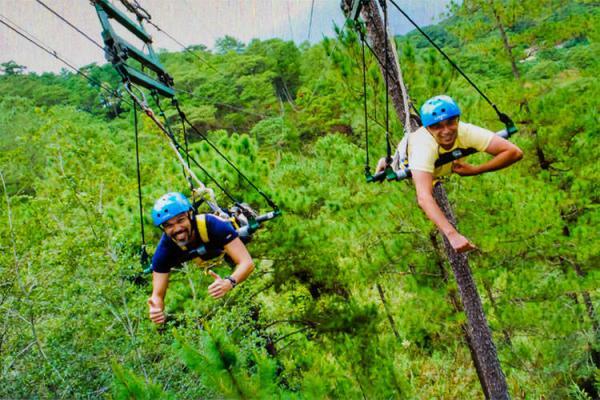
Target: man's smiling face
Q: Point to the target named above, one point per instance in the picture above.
(179, 229)
(445, 132)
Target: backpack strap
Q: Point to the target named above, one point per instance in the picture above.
(202, 229)
(453, 155)
(234, 222)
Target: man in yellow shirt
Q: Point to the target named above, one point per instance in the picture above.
(442, 132)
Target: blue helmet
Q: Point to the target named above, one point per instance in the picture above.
(168, 206)
(438, 108)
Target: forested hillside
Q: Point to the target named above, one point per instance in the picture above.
(352, 296)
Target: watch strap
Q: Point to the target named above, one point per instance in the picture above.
(232, 280)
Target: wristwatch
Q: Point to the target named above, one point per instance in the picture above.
(232, 280)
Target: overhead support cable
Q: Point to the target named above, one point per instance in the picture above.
(240, 109)
(178, 149)
(184, 47)
(503, 117)
(40, 2)
(227, 160)
(143, 252)
(399, 169)
(388, 159)
(27, 36)
(310, 20)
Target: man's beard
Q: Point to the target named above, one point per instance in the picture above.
(182, 237)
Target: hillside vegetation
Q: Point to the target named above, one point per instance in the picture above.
(352, 296)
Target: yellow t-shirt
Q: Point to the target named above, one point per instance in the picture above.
(423, 150)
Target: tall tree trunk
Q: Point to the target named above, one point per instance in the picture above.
(455, 301)
(479, 334)
(376, 36)
(479, 330)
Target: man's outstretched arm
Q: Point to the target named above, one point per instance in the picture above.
(156, 303)
(244, 265)
(424, 185)
(505, 154)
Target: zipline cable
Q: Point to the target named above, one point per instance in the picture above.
(503, 117)
(177, 148)
(387, 86)
(40, 2)
(29, 34)
(54, 54)
(211, 144)
(187, 50)
(310, 20)
(143, 253)
(161, 112)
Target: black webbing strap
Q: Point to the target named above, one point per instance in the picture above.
(174, 141)
(143, 253)
(503, 117)
(373, 52)
(453, 155)
(186, 142)
(224, 157)
(209, 176)
(161, 112)
(388, 158)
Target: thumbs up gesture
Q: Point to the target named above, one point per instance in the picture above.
(219, 287)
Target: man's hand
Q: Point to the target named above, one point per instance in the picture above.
(459, 243)
(157, 306)
(381, 164)
(464, 169)
(219, 287)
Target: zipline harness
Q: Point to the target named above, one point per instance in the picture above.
(118, 51)
(402, 170)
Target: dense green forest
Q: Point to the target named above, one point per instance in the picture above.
(352, 296)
